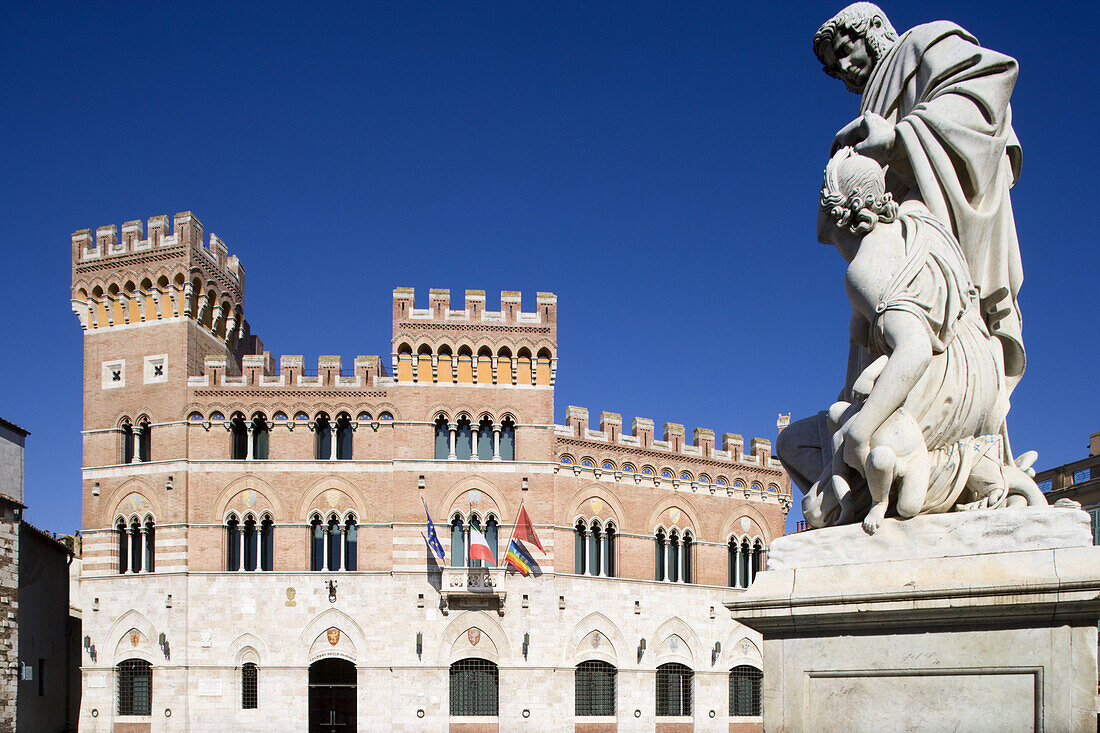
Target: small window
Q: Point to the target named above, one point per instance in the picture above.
(685, 476)
(473, 687)
(595, 688)
(195, 417)
(607, 466)
(135, 687)
(628, 469)
(249, 686)
(588, 463)
(673, 690)
(217, 417)
(665, 473)
(745, 691)
(566, 460)
(385, 417)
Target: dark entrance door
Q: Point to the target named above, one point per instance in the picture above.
(332, 696)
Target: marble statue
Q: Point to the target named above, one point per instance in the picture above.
(916, 198)
(929, 407)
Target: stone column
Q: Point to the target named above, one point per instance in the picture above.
(452, 428)
(251, 450)
(240, 546)
(605, 553)
(130, 549)
(496, 442)
(324, 545)
(342, 555)
(332, 440)
(473, 444)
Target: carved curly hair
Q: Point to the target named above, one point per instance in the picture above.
(857, 18)
(854, 192)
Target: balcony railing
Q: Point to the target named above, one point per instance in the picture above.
(473, 584)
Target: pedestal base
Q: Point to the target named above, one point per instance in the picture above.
(936, 629)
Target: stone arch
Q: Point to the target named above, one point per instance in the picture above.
(313, 642)
(118, 503)
(238, 651)
(314, 497)
(475, 481)
(578, 504)
(684, 652)
(740, 649)
(457, 645)
(579, 648)
(232, 497)
(120, 631)
(732, 524)
(677, 501)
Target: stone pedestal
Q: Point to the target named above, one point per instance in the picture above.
(976, 621)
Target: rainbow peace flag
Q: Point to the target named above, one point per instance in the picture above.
(518, 558)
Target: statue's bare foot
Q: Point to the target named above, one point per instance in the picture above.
(874, 517)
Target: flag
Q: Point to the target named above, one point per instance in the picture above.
(526, 531)
(518, 558)
(479, 547)
(433, 540)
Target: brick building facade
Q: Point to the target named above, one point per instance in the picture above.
(254, 551)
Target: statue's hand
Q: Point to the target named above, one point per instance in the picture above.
(871, 135)
(857, 444)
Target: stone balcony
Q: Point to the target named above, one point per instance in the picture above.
(472, 588)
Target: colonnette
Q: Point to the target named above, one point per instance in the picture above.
(255, 551)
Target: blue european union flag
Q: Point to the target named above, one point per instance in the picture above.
(433, 539)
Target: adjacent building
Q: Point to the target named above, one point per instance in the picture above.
(39, 638)
(256, 553)
(1079, 481)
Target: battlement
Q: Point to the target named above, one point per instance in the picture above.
(104, 247)
(258, 370)
(642, 437)
(473, 310)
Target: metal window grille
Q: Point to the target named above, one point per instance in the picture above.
(474, 685)
(745, 691)
(674, 690)
(595, 688)
(135, 687)
(250, 687)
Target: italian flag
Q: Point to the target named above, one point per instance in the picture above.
(479, 548)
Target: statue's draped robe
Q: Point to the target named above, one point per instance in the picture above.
(956, 151)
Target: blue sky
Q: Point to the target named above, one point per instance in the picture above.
(654, 164)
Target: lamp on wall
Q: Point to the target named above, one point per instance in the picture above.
(715, 652)
(331, 590)
(420, 483)
(641, 648)
(526, 643)
(419, 644)
(164, 647)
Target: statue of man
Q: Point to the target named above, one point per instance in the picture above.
(935, 109)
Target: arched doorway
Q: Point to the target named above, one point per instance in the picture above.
(332, 696)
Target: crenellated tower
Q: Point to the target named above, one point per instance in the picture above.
(154, 305)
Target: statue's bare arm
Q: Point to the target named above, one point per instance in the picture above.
(910, 354)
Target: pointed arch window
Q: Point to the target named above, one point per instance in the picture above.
(333, 543)
(232, 543)
(267, 544)
(580, 553)
(250, 543)
(316, 544)
(322, 430)
(135, 546)
(250, 686)
(507, 440)
(463, 440)
(238, 437)
(260, 436)
(351, 529)
(595, 549)
(345, 432)
(144, 438)
(126, 446)
(458, 542)
(485, 440)
(123, 538)
(659, 555)
(150, 545)
(442, 439)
